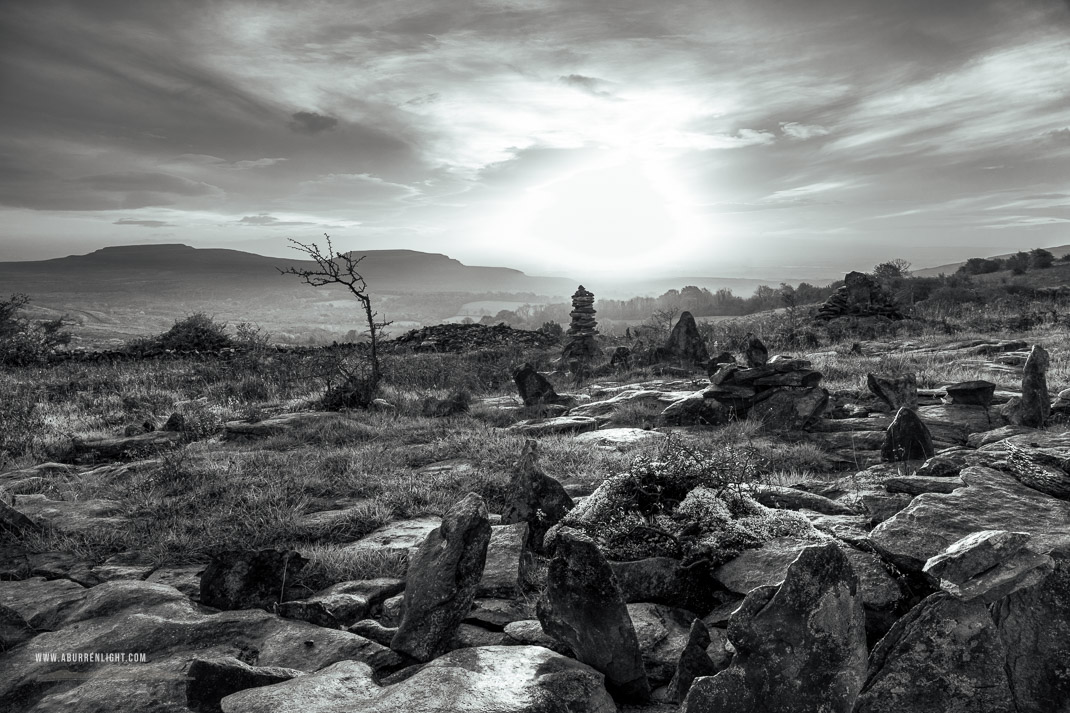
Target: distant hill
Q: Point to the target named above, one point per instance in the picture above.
(951, 268)
(124, 291)
(167, 268)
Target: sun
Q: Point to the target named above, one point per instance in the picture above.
(618, 213)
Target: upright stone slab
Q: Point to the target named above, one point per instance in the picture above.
(583, 608)
(694, 662)
(907, 438)
(535, 389)
(754, 351)
(896, 391)
(799, 647)
(442, 579)
(943, 655)
(685, 343)
(534, 498)
(1035, 405)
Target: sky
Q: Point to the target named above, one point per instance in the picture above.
(759, 138)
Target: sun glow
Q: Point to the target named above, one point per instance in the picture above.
(620, 213)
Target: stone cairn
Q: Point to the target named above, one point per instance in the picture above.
(860, 296)
(582, 347)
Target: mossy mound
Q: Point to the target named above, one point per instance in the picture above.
(686, 504)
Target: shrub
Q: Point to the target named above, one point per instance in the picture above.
(686, 503)
(198, 332)
(23, 342)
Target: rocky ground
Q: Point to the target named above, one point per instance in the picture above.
(924, 566)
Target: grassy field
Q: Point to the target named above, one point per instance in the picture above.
(208, 495)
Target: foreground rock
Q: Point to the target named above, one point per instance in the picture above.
(799, 647)
(212, 679)
(490, 679)
(1034, 407)
(693, 663)
(161, 623)
(992, 501)
(990, 564)
(537, 427)
(944, 655)
(583, 608)
(535, 389)
(907, 438)
(534, 497)
(896, 392)
(1034, 625)
(686, 343)
(442, 580)
(241, 579)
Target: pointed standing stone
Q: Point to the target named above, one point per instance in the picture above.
(754, 351)
(907, 438)
(694, 662)
(685, 342)
(583, 607)
(1035, 406)
(535, 498)
(441, 583)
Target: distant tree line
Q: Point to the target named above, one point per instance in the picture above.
(1019, 263)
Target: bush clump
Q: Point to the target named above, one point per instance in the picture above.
(196, 333)
(22, 342)
(687, 504)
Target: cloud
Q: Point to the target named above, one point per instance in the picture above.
(263, 219)
(590, 85)
(145, 223)
(311, 123)
(795, 130)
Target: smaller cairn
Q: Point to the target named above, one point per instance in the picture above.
(582, 347)
(860, 296)
(907, 438)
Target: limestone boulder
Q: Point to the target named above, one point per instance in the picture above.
(800, 646)
(907, 439)
(694, 662)
(993, 500)
(250, 579)
(535, 389)
(895, 391)
(990, 564)
(663, 632)
(72, 517)
(791, 409)
(685, 342)
(1034, 626)
(212, 679)
(171, 631)
(755, 353)
(534, 498)
(442, 580)
(943, 655)
(971, 393)
(502, 679)
(664, 580)
(583, 607)
(554, 425)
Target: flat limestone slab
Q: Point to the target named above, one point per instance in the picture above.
(993, 500)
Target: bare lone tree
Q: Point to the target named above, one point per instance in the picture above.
(337, 268)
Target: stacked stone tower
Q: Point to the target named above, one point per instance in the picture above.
(582, 346)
